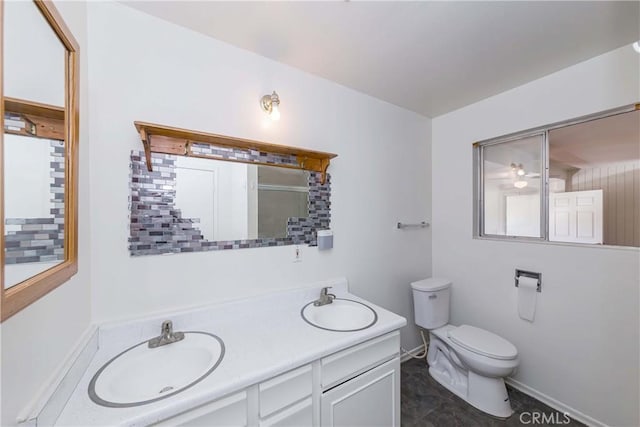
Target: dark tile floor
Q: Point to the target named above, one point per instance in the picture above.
(425, 403)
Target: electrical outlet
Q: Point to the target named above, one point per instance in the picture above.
(297, 254)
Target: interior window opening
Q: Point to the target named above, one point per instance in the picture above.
(577, 183)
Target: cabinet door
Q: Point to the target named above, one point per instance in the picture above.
(227, 412)
(355, 360)
(371, 399)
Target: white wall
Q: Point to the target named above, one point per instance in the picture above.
(582, 348)
(155, 71)
(37, 340)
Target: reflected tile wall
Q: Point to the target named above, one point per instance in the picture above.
(40, 239)
(158, 227)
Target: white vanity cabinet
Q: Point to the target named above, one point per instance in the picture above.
(361, 385)
(358, 386)
(283, 401)
(228, 411)
(298, 415)
(370, 399)
(286, 399)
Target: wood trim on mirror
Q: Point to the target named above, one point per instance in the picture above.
(176, 141)
(46, 121)
(17, 297)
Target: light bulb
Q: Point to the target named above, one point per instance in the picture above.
(270, 104)
(275, 112)
(520, 172)
(636, 46)
(520, 183)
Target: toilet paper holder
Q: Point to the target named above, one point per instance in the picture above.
(531, 275)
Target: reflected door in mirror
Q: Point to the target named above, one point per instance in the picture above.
(237, 201)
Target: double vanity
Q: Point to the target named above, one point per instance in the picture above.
(316, 356)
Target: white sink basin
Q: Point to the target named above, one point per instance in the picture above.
(342, 315)
(141, 375)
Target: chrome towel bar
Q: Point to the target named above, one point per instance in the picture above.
(423, 224)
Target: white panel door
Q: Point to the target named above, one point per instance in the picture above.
(576, 217)
(371, 399)
(196, 197)
(523, 215)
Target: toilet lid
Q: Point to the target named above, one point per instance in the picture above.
(483, 342)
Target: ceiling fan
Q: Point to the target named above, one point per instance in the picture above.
(519, 171)
(514, 170)
(520, 175)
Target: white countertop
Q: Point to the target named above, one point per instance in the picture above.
(264, 337)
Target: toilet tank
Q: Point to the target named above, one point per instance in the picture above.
(431, 302)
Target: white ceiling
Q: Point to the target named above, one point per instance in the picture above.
(429, 57)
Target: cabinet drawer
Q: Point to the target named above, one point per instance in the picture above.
(285, 389)
(228, 411)
(355, 360)
(299, 415)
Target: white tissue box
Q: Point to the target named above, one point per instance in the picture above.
(325, 239)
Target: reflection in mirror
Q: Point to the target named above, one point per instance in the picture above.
(512, 187)
(238, 201)
(33, 206)
(33, 56)
(34, 61)
(282, 194)
(38, 153)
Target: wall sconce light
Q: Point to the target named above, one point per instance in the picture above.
(636, 46)
(271, 105)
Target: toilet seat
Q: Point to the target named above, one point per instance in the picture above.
(483, 342)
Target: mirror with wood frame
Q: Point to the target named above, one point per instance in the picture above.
(38, 153)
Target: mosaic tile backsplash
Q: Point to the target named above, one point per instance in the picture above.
(158, 227)
(40, 239)
(222, 153)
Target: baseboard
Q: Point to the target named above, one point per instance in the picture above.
(404, 356)
(555, 404)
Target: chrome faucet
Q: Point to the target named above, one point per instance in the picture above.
(167, 336)
(325, 297)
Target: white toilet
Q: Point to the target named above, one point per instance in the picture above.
(469, 361)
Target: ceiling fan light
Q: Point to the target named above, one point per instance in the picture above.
(520, 184)
(518, 169)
